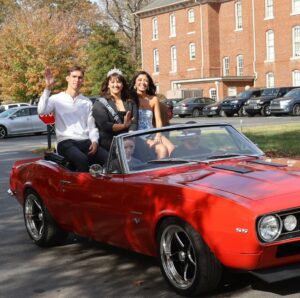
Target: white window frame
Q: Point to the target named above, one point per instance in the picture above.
(295, 6)
(296, 78)
(172, 25)
(239, 65)
(155, 61)
(270, 80)
(173, 59)
(191, 15)
(226, 66)
(238, 15)
(213, 93)
(269, 9)
(270, 45)
(296, 41)
(192, 51)
(154, 29)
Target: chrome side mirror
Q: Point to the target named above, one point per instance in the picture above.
(96, 170)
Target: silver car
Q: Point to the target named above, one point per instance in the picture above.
(22, 120)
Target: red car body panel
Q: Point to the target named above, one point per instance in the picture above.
(125, 210)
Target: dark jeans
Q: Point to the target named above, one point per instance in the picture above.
(76, 152)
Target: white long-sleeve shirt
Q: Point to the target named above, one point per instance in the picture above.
(73, 117)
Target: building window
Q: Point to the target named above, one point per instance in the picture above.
(173, 59)
(213, 93)
(155, 60)
(154, 28)
(238, 15)
(192, 49)
(191, 16)
(239, 65)
(296, 78)
(270, 45)
(270, 80)
(172, 25)
(226, 66)
(269, 9)
(296, 6)
(296, 41)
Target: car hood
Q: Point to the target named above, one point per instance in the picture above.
(244, 179)
(264, 98)
(283, 98)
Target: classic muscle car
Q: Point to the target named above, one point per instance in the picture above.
(217, 201)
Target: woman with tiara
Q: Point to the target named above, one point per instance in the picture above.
(114, 112)
(143, 91)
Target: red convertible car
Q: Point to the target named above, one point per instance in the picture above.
(216, 202)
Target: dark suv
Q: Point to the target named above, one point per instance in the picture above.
(261, 104)
(288, 104)
(236, 105)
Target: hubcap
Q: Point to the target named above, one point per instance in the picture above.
(2, 132)
(178, 257)
(34, 217)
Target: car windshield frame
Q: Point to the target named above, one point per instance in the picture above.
(117, 157)
(8, 113)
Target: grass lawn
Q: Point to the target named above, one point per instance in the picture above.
(276, 140)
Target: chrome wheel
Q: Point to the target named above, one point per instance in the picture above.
(40, 225)
(2, 132)
(178, 257)
(34, 217)
(296, 110)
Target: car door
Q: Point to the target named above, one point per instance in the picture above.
(95, 206)
(37, 123)
(20, 121)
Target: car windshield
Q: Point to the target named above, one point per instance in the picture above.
(270, 91)
(244, 94)
(191, 144)
(7, 113)
(293, 93)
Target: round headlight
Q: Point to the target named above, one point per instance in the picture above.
(269, 228)
(290, 223)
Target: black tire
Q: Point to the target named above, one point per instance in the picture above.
(296, 110)
(228, 114)
(250, 114)
(265, 110)
(196, 113)
(3, 132)
(182, 116)
(40, 225)
(186, 262)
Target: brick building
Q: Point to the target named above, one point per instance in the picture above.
(221, 46)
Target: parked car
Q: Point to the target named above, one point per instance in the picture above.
(225, 205)
(236, 105)
(191, 106)
(261, 104)
(13, 105)
(22, 120)
(288, 104)
(215, 108)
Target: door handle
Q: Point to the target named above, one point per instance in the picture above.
(65, 182)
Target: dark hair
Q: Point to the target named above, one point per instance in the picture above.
(105, 91)
(151, 89)
(75, 68)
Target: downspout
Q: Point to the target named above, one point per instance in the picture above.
(202, 45)
(254, 42)
(141, 34)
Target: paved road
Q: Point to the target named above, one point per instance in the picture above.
(82, 268)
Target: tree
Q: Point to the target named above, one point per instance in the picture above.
(36, 38)
(123, 18)
(104, 51)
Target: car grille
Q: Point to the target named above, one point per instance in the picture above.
(288, 249)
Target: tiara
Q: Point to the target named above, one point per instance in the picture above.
(114, 71)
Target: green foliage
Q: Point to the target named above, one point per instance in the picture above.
(104, 51)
